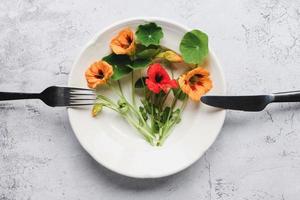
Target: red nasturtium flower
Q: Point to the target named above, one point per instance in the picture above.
(158, 79)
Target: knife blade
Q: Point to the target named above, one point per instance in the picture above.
(244, 103)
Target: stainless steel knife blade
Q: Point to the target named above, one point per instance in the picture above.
(245, 103)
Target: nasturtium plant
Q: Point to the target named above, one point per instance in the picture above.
(148, 53)
(158, 95)
(139, 63)
(194, 47)
(149, 34)
(120, 65)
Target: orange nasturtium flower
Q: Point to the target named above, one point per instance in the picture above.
(195, 83)
(98, 74)
(123, 43)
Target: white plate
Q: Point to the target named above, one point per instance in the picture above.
(118, 146)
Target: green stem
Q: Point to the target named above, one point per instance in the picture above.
(174, 103)
(132, 89)
(143, 131)
(131, 121)
(171, 110)
(152, 112)
(164, 100)
(117, 91)
(102, 97)
(169, 126)
(121, 95)
(132, 108)
(120, 87)
(159, 100)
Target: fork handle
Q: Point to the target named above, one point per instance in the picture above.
(293, 96)
(15, 96)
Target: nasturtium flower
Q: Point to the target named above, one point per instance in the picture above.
(195, 83)
(170, 56)
(98, 74)
(158, 79)
(123, 43)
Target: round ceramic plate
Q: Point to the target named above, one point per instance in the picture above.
(118, 146)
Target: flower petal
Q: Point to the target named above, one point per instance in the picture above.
(158, 79)
(93, 78)
(195, 83)
(123, 43)
(152, 86)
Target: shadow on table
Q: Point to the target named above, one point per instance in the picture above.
(284, 107)
(129, 183)
(238, 119)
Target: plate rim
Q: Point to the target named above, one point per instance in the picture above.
(90, 42)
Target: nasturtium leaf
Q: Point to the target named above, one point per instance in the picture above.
(194, 47)
(148, 34)
(140, 47)
(147, 53)
(140, 83)
(120, 65)
(139, 64)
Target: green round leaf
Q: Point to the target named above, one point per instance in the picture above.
(139, 64)
(120, 65)
(148, 34)
(194, 47)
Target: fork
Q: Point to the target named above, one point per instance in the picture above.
(55, 96)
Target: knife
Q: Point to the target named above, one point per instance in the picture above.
(250, 103)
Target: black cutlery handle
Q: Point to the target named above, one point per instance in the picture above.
(293, 96)
(15, 96)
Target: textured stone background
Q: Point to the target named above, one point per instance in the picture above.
(256, 156)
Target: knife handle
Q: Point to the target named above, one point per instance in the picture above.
(293, 96)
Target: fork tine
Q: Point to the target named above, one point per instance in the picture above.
(80, 104)
(79, 94)
(76, 100)
(81, 99)
(83, 89)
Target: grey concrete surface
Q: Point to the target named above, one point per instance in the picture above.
(256, 156)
